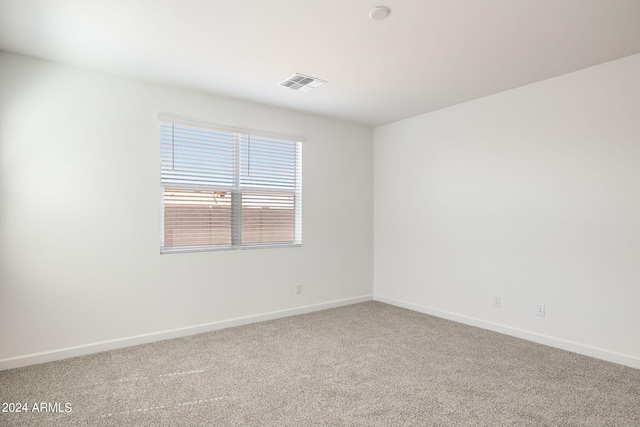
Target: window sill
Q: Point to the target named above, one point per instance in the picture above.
(164, 251)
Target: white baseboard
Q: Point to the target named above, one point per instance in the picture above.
(81, 350)
(598, 353)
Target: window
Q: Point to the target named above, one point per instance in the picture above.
(225, 189)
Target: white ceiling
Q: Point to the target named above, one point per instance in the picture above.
(427, 55)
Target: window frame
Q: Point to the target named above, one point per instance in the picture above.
(236, 229)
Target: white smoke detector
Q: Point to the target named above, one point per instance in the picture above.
(379, 12)
(302, 83)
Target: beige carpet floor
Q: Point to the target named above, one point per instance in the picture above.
(368, 364)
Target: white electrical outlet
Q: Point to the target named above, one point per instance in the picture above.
(497, 301)
(298, 288)
(540, 310)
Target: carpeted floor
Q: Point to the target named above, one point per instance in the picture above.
(368, 364)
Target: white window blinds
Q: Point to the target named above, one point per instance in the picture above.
(227, 189)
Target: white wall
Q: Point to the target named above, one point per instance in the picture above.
(80, 217)
(532, 194)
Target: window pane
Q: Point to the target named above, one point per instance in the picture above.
(267, 218)
(192, 156)
(196, 218)
(267, 163)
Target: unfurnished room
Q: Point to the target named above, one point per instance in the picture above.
(320, 213)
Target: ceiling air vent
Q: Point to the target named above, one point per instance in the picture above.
(302, 83)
